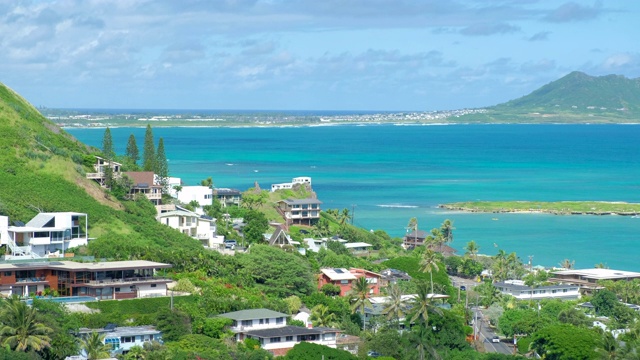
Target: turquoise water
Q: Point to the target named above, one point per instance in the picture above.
(388, 174)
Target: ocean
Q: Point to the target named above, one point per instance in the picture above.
(387, 174)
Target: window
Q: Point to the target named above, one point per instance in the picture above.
(344, 281)
(289, 338)
(274, 339)
(247, 322)
(8, 273)
(154, 285)
(127, 339)
(266, 321)
(279, 320)
(117, 289)
(261, 321)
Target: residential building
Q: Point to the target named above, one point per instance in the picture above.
(588, 279)
(302, 180)
(393, 276)
(349, 343)
(414, 238)
(46, 235)
(358, 248)
(344, 279)
(254, 319)
(101, 280)
(101, 165)
(145, 182)
(228, 196)
(201, 194)
(520, 291)
(375, 311)
(316, 244)
(123, 338)
(199, 227)
(300, 211)
(172, 182)
(280, 238)
(280, 340)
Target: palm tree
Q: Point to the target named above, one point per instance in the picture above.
(609, 347)
(447, 231)
(422, 304)
(435, 239)
(429, 263)
(20, 327)
(95, 347)
(472, 249)
(395, 306)
(500, 266)
(321, 316)
(136, 353)
(567, 264)
(360, 293)
(344, 216)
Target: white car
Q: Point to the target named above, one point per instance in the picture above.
(495, 339)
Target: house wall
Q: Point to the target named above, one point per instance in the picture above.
(345, 285)
(202, 194)
(146, 290)
(267, 323)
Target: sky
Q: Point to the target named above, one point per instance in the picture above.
(378, 55)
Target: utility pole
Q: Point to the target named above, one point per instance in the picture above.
(353, 212)
(530, 264)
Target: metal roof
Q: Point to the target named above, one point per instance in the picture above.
(253, 314)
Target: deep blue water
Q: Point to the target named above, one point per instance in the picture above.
(388, 174)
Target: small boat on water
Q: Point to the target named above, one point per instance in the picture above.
(495, 219)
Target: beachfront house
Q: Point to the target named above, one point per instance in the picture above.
(46, 235)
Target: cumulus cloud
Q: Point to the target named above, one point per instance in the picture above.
(572, 11)
(486, 29)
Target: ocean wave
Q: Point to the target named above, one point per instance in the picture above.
(397, 206)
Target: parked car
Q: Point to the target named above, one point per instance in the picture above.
(495, 339)
(230, 244)
(373, 354)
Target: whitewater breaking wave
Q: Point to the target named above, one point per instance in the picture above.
(397, 206)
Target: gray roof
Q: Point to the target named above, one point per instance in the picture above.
(525, 288)
(253, 314)
(40, 220)
(302, 201)
(123, 331)
(291, 331)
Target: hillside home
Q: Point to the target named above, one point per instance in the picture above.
(228, 196)
(46, 235)
(254, 319)
(344, 279)
(393, 276)
(302, 180)
(414, 238)
(122, 338)
(280, 340)
(280, 238)
(199, 227)
(358, 248)
(588, 279)
(520, 291)
(145, 182)
(101, 280)
(316, 244)
(100, 167)
(202, 194)
(379, 303)
(300, 211)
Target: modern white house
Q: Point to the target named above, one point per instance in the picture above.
(271, 330)
(520, 291)
(202, 194)
(46, 235)
(302, 180)
(300, 211)
(199, 227)
(123, 338)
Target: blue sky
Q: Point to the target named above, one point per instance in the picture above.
(307, 54)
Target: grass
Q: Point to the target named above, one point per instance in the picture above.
(558, 207)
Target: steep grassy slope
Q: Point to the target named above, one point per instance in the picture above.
(42, 169)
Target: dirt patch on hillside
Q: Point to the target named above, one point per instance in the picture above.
(99, 194)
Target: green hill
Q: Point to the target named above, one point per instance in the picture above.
(42, 168)
(574, 98)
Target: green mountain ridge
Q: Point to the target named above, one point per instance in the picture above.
(574, 98)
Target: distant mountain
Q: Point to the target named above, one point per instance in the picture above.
(581, 91)
(574, 98)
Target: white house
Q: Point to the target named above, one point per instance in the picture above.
(254, 319)
(520, 291)
(302, 180)
(46, 235)
(199, 227)
(202, 194)
(358, 246)
(122, 339)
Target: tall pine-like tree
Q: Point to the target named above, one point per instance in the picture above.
(149, 151)
(132, 150)
(162, 167)
(107, 145)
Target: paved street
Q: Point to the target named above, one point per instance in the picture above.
(486, 334)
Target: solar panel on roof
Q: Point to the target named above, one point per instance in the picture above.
(339, 271)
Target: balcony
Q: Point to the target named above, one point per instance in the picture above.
(94, 176)
(132, 280)
(156, 196)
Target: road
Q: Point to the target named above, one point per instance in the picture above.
(486, 334)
